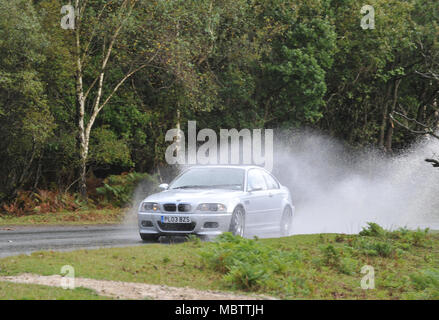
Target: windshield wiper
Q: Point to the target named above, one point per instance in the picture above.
(216, 186)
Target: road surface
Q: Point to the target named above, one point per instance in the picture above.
(18, 240)
(24, 240)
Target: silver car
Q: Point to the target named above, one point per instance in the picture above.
(209, 200)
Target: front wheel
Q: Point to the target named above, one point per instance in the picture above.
(286, 222)
(237, 225)
(149, 237)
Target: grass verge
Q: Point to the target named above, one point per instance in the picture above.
(324, 266)
(81, 217)
(14, 291)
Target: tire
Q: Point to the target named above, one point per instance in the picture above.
(237, 225)
(149, 237)
(286, 222)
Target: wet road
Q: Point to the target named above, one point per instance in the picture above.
(24, 240)
(19, 240)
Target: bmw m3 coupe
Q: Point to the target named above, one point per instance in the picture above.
(209, 200)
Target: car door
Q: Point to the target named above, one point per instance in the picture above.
(256, 201)
(275, 195)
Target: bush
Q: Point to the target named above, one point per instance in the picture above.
(417, 238)
(373, 230)
(427, 283)
(338, 260)
(246, 264)
(376, 241)
(331, 257)
(372, 247)
(42, 201)
(118, 190)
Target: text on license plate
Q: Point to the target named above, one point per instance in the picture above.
(175, 219)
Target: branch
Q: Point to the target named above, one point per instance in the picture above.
(120, 83)
(106, 57)
(434, 162)
(94, 29)
(91, 87)
(427, 130)
(429, 75)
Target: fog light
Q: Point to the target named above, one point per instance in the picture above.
(211, 225)
(146, 223)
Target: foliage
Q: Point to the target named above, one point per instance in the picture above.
(25, 119)
(108, 149)
(78, 217)
(417, 237)
(427, 284)
(41, 201)
(246, 264)
(119, 190)
(372, 230)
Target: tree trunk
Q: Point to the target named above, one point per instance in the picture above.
(436, 114)
(389, 135)
(80, 114)
(420, 114)
(384, 118)
(83, 170)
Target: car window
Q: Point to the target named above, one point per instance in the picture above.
(255, 180)
(221, 178)
(271, 182)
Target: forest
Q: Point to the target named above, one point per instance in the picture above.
(84, 110)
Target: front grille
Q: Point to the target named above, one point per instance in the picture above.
(176, 226)
(171, 207)
(182, 207)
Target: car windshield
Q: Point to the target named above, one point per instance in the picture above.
(221, 178)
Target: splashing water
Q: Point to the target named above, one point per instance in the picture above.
(336, 190)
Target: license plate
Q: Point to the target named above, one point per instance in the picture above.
(175, 219)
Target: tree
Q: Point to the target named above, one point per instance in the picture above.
(25, 119)
(106, 31)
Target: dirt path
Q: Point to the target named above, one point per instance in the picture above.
(131, 290)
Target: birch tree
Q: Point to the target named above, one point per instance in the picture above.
(106, 38)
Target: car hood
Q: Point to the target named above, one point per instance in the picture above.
(194, 195)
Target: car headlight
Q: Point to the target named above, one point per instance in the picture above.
(212, 207)
(149, 207)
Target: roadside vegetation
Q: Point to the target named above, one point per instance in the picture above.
(108, 201)
(80, 217)
(323, 266)
(15, 291)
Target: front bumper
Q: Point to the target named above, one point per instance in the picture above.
(206, 224)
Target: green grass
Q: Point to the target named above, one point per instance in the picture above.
(14, 291)
(325, 266)
(80, 217)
